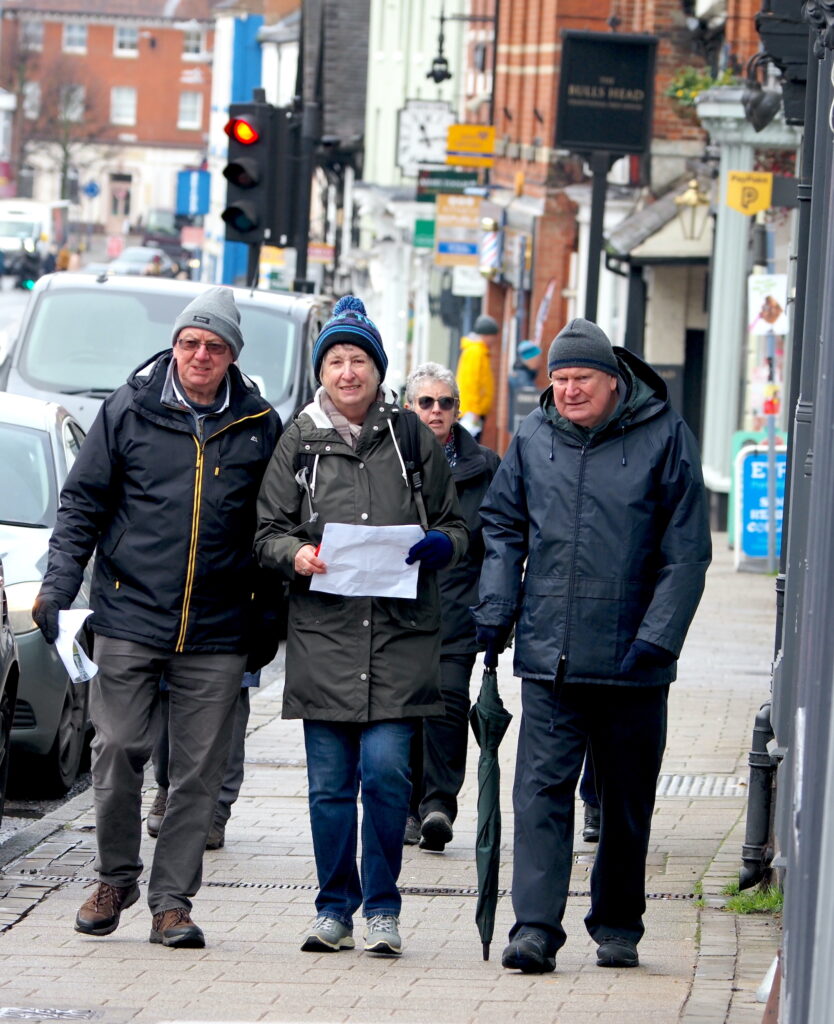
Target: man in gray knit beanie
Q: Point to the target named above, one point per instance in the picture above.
(584, 371)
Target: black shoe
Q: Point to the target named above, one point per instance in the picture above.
(615, 951)
(436, 831)
(216, 837)
(412, 831)
(526, 953)
(590, 831)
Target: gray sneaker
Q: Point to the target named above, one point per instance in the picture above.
(328, 936)
(383, 937)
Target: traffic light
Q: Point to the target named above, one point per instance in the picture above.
(250, 172)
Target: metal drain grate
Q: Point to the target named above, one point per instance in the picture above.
(701, 785)
(406, 890)
(49, 1013)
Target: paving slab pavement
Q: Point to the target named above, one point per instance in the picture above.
(699, 964)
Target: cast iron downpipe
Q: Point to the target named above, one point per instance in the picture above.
(756, 853)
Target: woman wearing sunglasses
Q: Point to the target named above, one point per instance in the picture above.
(432, 392)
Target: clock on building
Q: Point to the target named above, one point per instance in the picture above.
(422, 126)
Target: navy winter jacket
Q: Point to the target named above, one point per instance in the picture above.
(172, 515)
(594, 539)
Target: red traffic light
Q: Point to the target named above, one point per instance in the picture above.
(242, 130)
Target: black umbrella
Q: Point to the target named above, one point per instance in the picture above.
(489, 720)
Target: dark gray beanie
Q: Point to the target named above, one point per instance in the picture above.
(213, 310)
(582, 343)
(485, 325)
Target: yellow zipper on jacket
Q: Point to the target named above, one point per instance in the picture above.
(195, 522)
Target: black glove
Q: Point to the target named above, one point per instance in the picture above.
(434, 551)
(644, 656)
(45, 613)
(493, 639)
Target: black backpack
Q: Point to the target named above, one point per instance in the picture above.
(407, 428)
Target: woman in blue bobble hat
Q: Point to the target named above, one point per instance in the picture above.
(359, 670)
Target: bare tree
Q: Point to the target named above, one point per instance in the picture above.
(61, 111)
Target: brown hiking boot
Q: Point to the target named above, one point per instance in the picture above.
(100, 912)
(174, 927)
(216, 837)
(157, 812)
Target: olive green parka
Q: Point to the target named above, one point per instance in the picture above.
(356, 659)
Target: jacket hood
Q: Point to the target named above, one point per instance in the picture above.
(646, 395)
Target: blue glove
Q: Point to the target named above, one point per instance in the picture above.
(493, 639)
(643, 656)
(434, 551)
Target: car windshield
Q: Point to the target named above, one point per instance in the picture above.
(27, 479)
(89, 340)
(18, 229)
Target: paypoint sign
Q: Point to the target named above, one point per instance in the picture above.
(749, 192)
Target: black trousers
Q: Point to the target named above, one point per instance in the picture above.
(438, 751)
(626, 727)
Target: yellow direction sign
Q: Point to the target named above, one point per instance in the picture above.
(749, 191)
(470, 145)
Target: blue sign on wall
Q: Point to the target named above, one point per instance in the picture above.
(193, 192)
(754, 512)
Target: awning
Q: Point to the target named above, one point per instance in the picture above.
(655, 234)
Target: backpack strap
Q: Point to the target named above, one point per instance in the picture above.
(407, 426)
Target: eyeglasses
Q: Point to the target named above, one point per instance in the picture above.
(427, 402)
(214, 348)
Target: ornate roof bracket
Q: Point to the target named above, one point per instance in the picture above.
(820, 16)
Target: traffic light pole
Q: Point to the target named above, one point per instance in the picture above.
(310, 131)
(253, 265)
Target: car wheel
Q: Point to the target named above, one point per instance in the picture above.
(54, 773)
(6, 716)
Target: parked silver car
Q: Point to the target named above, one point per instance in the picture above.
(38, 444)
(81, 336)
(9, 674)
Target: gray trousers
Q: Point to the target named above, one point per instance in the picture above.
(203, 691)
(232, 777)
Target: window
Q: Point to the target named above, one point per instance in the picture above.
(32, 35)
(72, 103)
(191, 111)
(32, 100)
(126, 41)
(75, 37)
(193, 42)
(122, 105)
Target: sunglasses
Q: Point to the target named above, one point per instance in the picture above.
(427, 402)
(214, 348)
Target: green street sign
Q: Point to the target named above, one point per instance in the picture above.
(423, 234)
(431, 184)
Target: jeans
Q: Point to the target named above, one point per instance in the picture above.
(341, 756)
(626, 726)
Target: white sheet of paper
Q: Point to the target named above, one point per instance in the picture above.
(76, 662)
(367, 561)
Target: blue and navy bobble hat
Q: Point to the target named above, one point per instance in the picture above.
(350, 325)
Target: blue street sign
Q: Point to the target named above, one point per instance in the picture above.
(192, 192)
(458, 248)
(91, 189)
(754, 512)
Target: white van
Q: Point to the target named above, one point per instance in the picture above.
(27, 225)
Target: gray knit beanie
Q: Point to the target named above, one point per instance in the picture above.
(582, 343)
(485, 325)
(213, 310)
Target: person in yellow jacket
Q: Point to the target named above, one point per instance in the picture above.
(474, 375)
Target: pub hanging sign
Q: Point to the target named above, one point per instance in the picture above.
(606, 92)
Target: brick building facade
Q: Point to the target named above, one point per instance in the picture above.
(111, 91)
(545, 181)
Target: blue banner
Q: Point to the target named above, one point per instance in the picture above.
(754, 504)
(193, 192)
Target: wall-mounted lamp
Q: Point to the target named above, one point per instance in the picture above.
(761, 105)
(693, 210)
